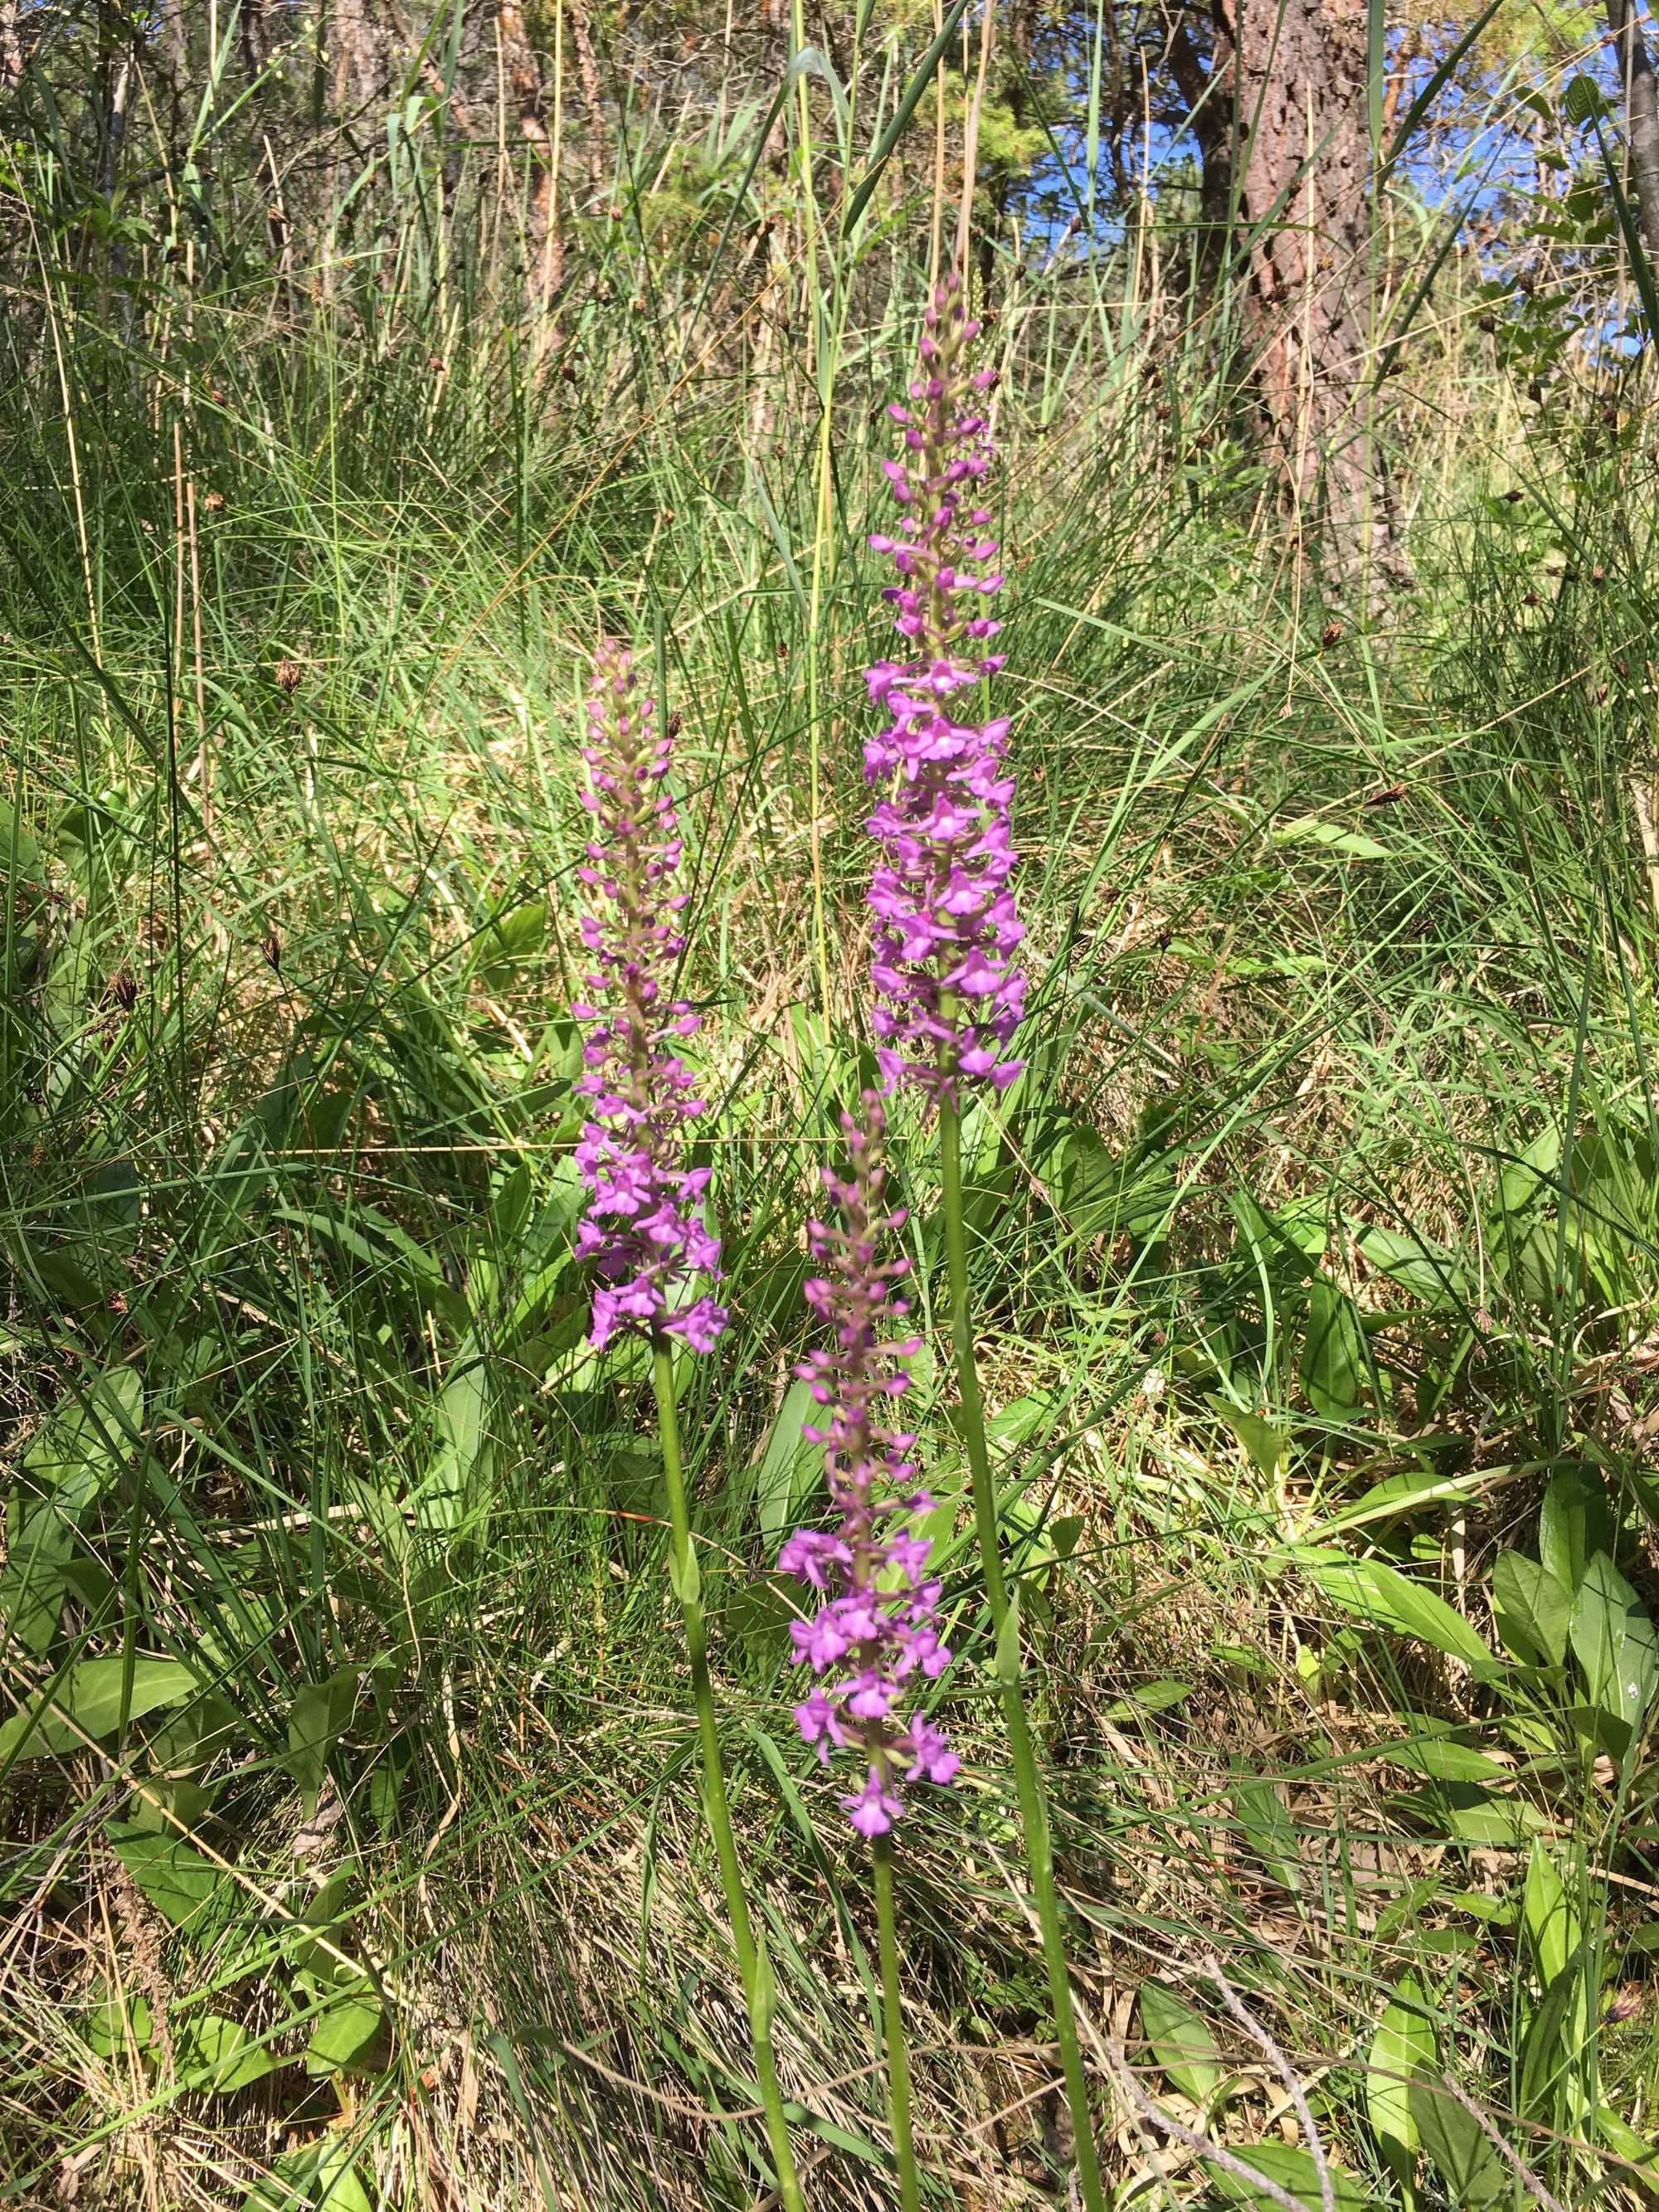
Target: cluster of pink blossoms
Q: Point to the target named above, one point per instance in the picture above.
(946, 923)
(949, 1000)
(643, 1227)
(879, 1631)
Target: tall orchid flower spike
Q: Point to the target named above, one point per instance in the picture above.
(643, 1227)
(876, 1637)
(946, 923)
(947, 932)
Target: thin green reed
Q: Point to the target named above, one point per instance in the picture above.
(1005, 1623)
(753, 1964)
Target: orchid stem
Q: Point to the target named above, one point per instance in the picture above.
(1033, 1806)
(892, 2015)
(753, 1964)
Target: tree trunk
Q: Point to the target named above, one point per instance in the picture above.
(545, 249)
(11, 47)
(1294, 138)
(362, 78)
(1641, 117)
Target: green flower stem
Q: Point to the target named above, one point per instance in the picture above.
(752, 1962)
(892, 2017)
(1028, 1782)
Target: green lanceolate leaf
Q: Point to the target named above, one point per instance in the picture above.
(1614, 1642)
(1402, 2048)
(219, 2056)
(1336, 1369)
(1384, 1596)
(1267, 1824)
(73, 1459)
(1476, 2180)
(1181, 2041)
(318, 1717)
(92, 1700)
(1572, 1522)
(1549, 1918)
(345, 2036)
(788, 1465)
(177, 1879)
(1532, 1609)
(1550, 2055)
(1292, 2169)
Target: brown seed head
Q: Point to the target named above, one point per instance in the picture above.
(286, 672)
(124, 989)
(271, 945)
(214, 502)
(1332, 632)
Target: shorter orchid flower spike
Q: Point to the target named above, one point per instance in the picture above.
(643, 1225)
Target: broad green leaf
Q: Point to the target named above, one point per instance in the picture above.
(1266, 1442)
(1550, 2055)
(33, 1579)
(787, 1464)
(1181, 2042)
(1267, 1824)
(1613, 1641)
(318, 2177)
(509, 937)
(1624, 2142)
(1382, 1595)
(220, 2057)
(1583, 102)
(1476, 2179)
(1572, 1522)
(1548, 1915)
(1150, 1697)
(73, 1459)
(1401, 2048)
(1528, 1174)
(113, 2026)
(318, 1717)
(91, 1695)
(1313, 830)
(1334, 1370)
(1430, 1275)
(1292, 2169)
(179, 1881)
(85, 1444)
(1446, 1761)
(345, 2035)
(1532, 1609)
(463, 1463)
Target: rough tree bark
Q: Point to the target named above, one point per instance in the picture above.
(11, 47)
(362, 77)
(1641, 117)
(1280, 114)
(544, 248)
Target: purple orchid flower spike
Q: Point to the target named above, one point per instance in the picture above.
(643, 1227)
(946, 923)
(876, 1637)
